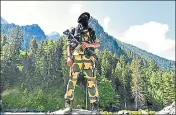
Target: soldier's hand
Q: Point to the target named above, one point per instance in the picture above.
(85, 45)
(69, 61)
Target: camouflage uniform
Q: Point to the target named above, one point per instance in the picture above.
(85, 65)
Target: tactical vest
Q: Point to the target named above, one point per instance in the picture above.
(85, 37)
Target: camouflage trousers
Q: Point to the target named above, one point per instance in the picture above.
(86, 66)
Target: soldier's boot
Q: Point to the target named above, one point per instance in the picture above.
(95, 110)
(68, 107)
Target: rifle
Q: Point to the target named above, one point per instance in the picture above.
(78, 44)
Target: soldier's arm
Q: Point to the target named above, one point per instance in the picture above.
(69, 54)
(96, 44)
(69, 51)
(69, 58)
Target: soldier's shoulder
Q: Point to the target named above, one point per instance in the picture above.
(91, 30)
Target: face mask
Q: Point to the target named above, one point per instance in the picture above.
(85, 23)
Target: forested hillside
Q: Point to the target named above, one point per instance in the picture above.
(112, 44)
(163, 63)
(108, 42)
(36, 78)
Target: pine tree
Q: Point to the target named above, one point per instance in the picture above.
(136, 89)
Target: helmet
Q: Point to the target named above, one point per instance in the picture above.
(84, 17)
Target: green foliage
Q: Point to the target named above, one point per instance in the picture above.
(22, 53)
(12, 98)
(20, 67)
(107, 93)
(37, 78)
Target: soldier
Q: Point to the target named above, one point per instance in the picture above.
(80, 61)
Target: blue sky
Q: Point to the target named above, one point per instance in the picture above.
(141, 12)
(149, 25)
(126, 13)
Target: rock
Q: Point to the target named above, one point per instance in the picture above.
(120, 112)
(126, 113)
(59, 112)
(144, 112)
(74, 112)
(168, 110)
(123, 113)
(81, 111)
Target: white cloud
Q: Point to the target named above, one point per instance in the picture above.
(151, 37)
(49, 15)
(31, 12)
(15, 10)
(75, 10)
(106, 22)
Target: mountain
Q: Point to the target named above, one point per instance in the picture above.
(107, 42)
(162, 62)
(29, 31)
(3, 21)
(110, 43)
(54, 35)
